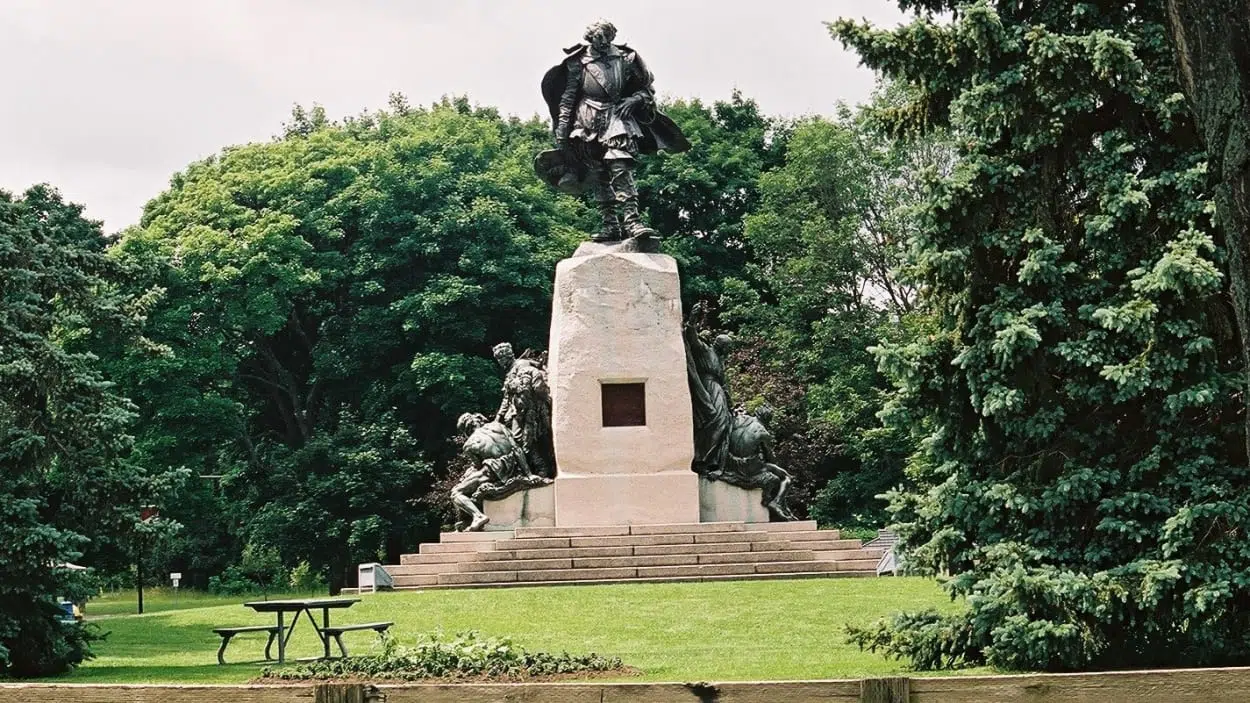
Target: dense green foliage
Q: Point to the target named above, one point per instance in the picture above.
(330, 299)
(826, 241)
(699, 199)
(1081, 476)
(465, 655)
(67, 486)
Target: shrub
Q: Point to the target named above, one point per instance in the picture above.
(305, 580)
(466, 655)
(232, 582)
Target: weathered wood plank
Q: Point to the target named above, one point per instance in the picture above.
(144, 693)
(737, 692)
(1169, 686)
(347, 693)
(892, 690)
(1164, 686)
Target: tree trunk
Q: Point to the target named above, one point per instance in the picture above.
(1212, 42)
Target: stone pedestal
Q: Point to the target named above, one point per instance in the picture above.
(616, 320)
(535, 507)
(721, 502)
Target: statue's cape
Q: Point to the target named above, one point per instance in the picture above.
(658, 133)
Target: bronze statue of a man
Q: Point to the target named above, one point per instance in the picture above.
(526, 408)
(497, 469)
(750, 463)
(603, 114)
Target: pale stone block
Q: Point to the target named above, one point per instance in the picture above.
(721, 502)
(519, 545)
(687, 528)
(794, 526)
(695, 549)
(788, 567)
(575, 574)
(477, 577)
(533, 507)
(626, 499)
(604, 531)
(632, 540)
(517, 564)
(447, 537)
(616, 318)
(718, 537)
(625, 562)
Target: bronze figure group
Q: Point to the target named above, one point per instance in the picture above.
(732, 446)
(512, 452)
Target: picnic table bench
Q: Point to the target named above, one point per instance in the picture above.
(282, 631)
(337, 631)
(227, 633)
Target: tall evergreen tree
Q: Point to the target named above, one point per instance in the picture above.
(1081, 470)
(66, 485)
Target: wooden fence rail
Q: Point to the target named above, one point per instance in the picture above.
(1170, 686)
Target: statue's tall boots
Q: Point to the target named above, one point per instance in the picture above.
(625, 192)
(610, 231)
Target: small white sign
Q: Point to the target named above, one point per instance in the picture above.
(175, 576)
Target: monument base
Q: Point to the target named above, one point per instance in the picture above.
(721, 502)
(627, 499)
(534, 507)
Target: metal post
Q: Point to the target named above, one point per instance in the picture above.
(325, 623)
(281, 639)
(139, 573)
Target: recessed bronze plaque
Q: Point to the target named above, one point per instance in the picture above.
(624, 404)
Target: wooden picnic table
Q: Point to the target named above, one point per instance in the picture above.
(303, 606)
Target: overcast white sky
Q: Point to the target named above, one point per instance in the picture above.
(107, 99)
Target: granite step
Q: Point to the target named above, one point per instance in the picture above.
(705, 578)
(627, 540)
(625, 530)
(691, 559)
(789, 555)
(854, 564)
(562, 553)
(448, 537)
(634, 550)
(419, 569)
(834, 549)
(797, 567)
(638, 553)
(816, 535)
(515, 565)
(843, 554)
(450, 547)
(632, 572)
(796, 526)
(439, 558)
(615, 560)
(415, 580)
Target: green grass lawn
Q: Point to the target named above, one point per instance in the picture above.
(743, 630)
(159, 600)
